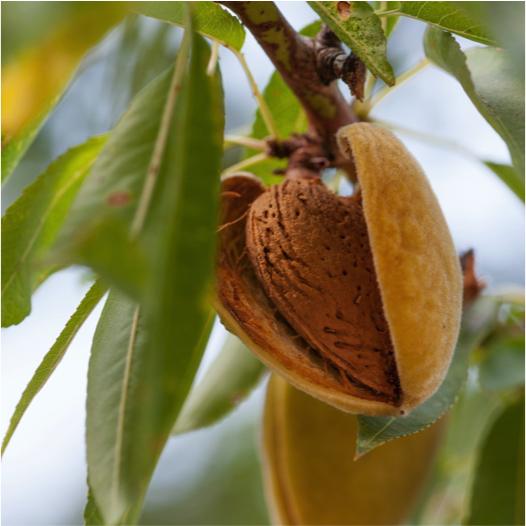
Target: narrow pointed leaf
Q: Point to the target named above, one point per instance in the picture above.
(209, 19)
(230, 379)
(33, 82)
(503, 98)
(184, 222)
(92, 516)
(109, 250)
(54, 356)
(356, 24)
(486, 76)
(31, 225)
(505, 20)
(477, 324)
(96, 230)
(498, 487)
(449, 16)
(509, 177)
(227, 489)
(185, 207)
(115, 390)
(126, 405)
(144, 358)
(501, 367)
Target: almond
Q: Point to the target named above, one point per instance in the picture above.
(356, 301)
(310, 473)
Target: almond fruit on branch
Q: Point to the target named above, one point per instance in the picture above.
(310, 474)
(356, 301)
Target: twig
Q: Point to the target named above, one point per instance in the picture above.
(294, 56)
(383, 6)
(249, 142)
(333, 63)
(245, 164)
(392, 12)
(364, 109)
(268, 119)
(214, 56)
(369, 87)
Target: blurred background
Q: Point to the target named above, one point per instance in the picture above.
(213, 476)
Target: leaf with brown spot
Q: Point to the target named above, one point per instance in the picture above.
(344, 10)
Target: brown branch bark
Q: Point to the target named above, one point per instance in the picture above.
(295, 57)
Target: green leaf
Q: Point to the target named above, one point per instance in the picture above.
(31, 224)
(92, 515)
(312, 29)
(477, 324)
(509, 176)
(144, 358)
(505, 21)
(498, 487)
(487, 78)
(356, 24)
(467, 422)
(230, 379)
(465, 426)
(118, 395)
(185, 206)
(209, 19)
(130, 389)
(109, 250)
(503, 367)
(448, 16)
(96, 232)
(288, 116)
(226, 488)
(30, 91)
(389, 23)
(15, 147)
(285, 108)
(54, 356)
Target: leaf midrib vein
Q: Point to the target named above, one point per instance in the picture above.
(117, 461)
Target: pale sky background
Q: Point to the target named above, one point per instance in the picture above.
(44, 468)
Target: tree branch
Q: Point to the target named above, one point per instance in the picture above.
(295, 57)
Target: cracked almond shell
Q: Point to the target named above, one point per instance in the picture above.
(368, 326)
(310, 474)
